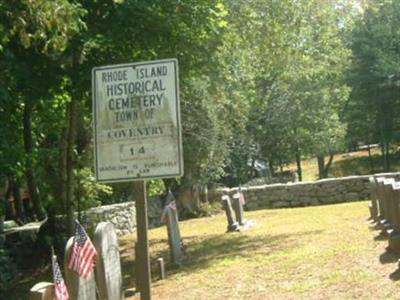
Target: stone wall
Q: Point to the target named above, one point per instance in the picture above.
(325, 191)
(122, 216)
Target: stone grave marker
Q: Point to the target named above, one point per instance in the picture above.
(387, 189)
(394, 235)
(383, 223)
(226, 203)
(108, 265)
(170, 215)
(42, 291)
(78, 288)
(237, 204)
(373, 206)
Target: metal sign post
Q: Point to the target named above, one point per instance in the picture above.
(137, 134)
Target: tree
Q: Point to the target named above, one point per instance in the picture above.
(375, 77)
(34, 33)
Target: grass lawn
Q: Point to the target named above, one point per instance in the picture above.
(347, 164)
(324, 252)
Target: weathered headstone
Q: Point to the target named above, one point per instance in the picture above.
(78, 288)
(237, 204)
(42, 291)
(394, 234)
(108, 265)
(174, 234)
(373, 206)
(383, 215)
(226, 203)
(387, 191)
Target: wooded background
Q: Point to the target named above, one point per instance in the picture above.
(260, 80)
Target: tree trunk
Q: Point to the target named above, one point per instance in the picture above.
(371, 162)
(328, 165)
(271, 167)
(29, 174)
(69, 165)
(298, 163)
(321, 163)
(17, 211)
(387, 154)
(323, 170)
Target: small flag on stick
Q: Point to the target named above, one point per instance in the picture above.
(60, 289)
(83, 254)
(171, 204)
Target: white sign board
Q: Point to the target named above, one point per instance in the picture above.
(137, 132)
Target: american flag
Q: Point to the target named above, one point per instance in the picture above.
(171, 205)
(83, 253)
(60, 289)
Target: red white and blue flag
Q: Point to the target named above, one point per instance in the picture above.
(83, 254)
(171, 204)
(60, 289)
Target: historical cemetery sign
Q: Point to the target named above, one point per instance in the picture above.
(137, 132)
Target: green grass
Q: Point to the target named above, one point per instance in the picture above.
(348, 164)
(326, 252)
(322, 252)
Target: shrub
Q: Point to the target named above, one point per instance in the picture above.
(7, 270)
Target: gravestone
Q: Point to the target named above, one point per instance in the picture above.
(394, 235)
(383, 215)
(373, 206)
(42, 291)
(108, 265)
(237, 204)
(78, 288)
(387, 190)
(174, 234)
(226, 203)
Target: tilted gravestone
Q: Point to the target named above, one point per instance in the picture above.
(78, 288)
(226, 203)
(174, 234)
(108, 265)
(42, 291)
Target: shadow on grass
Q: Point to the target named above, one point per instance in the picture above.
(388, 257)
(381, 237)
(395, 276)
(202, 252)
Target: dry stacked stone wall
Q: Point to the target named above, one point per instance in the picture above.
(325, 191)
(122, 216)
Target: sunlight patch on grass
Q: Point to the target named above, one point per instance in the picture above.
(324, 252)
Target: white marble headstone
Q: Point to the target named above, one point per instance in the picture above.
(108, 265)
